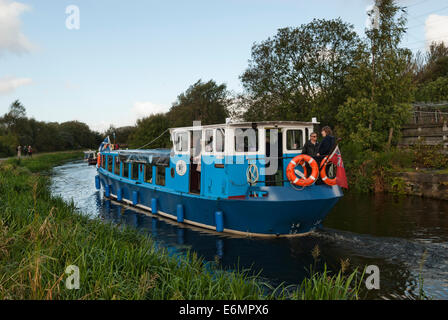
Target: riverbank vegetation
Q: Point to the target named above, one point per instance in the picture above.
(17, 129)
(375, 171)
(41, 235)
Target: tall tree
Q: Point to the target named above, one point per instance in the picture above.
(300, 72)
(382, 74)
(203, 101)
(16, 112)
(150, 132)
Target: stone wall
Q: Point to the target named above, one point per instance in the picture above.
(424, 184)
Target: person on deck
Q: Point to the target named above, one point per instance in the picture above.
(311, 146)
(327, 144)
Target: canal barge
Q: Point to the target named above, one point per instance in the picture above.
(90, 157)
(243, 178)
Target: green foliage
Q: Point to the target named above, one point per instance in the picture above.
(300, 72)
(45, 161)
(150, 128)
(368, 124)
(429, 156)
(121, 135)
(327, 286)
(203, 101)
(8, 142)
(433, 66)
(398, 185)
(434, 91)
(16, 129)
(380, 82)
(372, 171)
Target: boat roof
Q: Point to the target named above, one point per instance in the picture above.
(250, 124)
(151, 156)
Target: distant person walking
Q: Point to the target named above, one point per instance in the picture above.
(30, 151)
(25, 151)
(311, 146)
(19, 151)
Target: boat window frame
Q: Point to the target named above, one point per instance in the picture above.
(223, 142)
(303, 139)
(110, 163)
(125, 169)
(117, 161)
(133, 164)
(176, 135)
(259, 138)
(215, 151)
(103, 161)
(157, 175)
(205, 151)
(146, 166)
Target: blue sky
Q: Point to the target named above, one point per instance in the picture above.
(132, 58)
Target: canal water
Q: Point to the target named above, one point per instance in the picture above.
(406, 237)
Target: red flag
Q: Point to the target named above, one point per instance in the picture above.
(341, 178)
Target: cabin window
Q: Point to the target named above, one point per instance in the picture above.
(195, 143)
(148, 173)
(135, 167)
(117, 166)
(109, 163)
(294, 139)
(208, 140)
(220, 140)
(181, 141)
(103, 161)
(125, 169)
(160, 176)
(307, 134)
(246, 140)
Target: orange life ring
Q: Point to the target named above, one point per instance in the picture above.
(302, 159)
(98, 160)
(323, 174)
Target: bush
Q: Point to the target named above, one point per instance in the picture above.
(427, 156)
(369, 171)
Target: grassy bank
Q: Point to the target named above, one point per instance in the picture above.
(45, 161)
(40, 236)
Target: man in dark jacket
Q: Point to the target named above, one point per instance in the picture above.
(311, 146)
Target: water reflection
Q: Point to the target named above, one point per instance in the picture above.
(391, 232)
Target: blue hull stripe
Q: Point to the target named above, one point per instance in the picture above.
(284, 211)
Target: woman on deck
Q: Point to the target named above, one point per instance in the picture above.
(327, 144)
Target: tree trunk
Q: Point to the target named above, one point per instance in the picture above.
(391, 134)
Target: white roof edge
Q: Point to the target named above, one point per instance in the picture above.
(249, 124)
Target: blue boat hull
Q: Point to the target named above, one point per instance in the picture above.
(281, 211)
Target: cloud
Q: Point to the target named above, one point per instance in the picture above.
(436, 29)
(9, 84)
(144, 109)
(11, 37)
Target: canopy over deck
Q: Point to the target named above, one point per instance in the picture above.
(159, 157)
